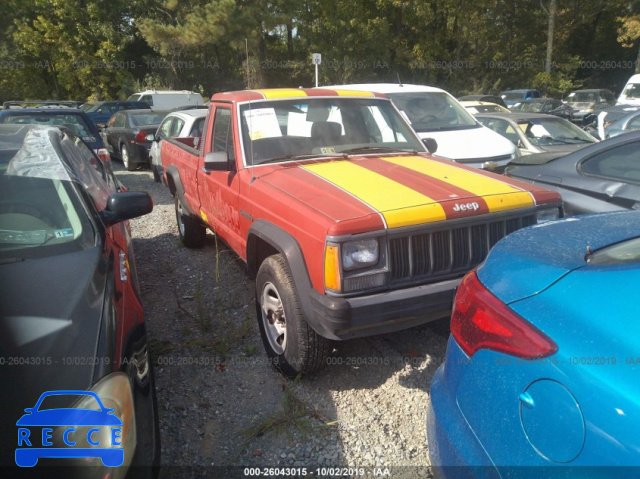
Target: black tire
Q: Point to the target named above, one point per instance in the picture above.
(125, 156)
(293, 347)
(192, 232)
(156, 175)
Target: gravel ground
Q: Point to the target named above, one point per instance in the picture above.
(224, 409)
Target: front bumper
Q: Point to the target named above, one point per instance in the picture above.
(347, 318)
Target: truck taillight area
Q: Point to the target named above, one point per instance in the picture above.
(481, 321)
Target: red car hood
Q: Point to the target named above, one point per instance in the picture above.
(397, 191)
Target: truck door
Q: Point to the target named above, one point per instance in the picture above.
(218, 190)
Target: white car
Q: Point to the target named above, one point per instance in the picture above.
(184, 123)
(434, 113)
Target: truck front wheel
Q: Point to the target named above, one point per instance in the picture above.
(291, 344)
(192, 232)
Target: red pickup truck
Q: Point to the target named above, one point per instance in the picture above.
(349, 227)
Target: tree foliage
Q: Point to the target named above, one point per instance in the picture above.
(95, 49)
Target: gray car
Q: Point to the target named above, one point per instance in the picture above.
(537, 132)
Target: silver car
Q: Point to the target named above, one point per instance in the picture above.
(178, 124)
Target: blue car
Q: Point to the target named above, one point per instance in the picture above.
(73, 119)
(542, 370)
(74, 427)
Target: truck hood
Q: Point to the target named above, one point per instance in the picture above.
(397, 191)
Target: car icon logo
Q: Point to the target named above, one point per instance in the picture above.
(73, 432)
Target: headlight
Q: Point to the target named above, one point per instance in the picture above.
(360, 254)
(548, 214)
(115, 392)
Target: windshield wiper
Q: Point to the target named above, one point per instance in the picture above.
(302, 157)
(370, 149)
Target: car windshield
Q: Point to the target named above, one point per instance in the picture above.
(90, 107)
(529, 106)
(581, 96)
(311, 127)
(41, 209)
(621, 253)
(73, 122)
(433, 111)
(513, 96)
(145, 119)
(553, 131)
(632, 90)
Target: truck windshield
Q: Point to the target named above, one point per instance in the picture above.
(284, 129)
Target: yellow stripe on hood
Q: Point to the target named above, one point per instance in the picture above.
(399, 204)
(499, 196)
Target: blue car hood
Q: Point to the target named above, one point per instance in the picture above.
(530, 260)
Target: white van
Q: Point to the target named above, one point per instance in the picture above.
(434, 113)
(168, 99)
(631, 92)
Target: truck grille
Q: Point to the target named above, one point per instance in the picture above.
(425, 255)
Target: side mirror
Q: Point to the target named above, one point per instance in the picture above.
(101, 126)
(216, 161)
(125, 206)
(431, 144)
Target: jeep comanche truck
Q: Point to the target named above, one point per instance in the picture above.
(349, 227)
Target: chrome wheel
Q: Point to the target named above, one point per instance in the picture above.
(273, 318)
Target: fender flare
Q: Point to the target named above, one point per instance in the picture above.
(174, 182)
(284, 243)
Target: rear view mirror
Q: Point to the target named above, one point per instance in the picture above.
(431, 144)
(216, 161)
(125, 206)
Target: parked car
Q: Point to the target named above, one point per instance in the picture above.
(631, 92)
(485, 98)
(181, 123)
(41, 104)
(128, 135)
(550, 106)
(586, 103)
(99, 112)
(511, 97)
(474, 107)
(629, 122)
(71, 317)
(541, 366)
(72, 118)
(537, 132)
(600, 123)
(168, 99)
(434, 113)
(598, 178)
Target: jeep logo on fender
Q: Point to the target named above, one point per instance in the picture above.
(466, 206)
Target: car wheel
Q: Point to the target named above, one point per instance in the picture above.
(192, 232)
(126, 158)
(156, 175)
(291, 344)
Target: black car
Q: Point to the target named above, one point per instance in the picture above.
(54, 115)
(550, 106)
(489, 98)
(99, 112)
(598, 178)
(71, 317)
(129, 133)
